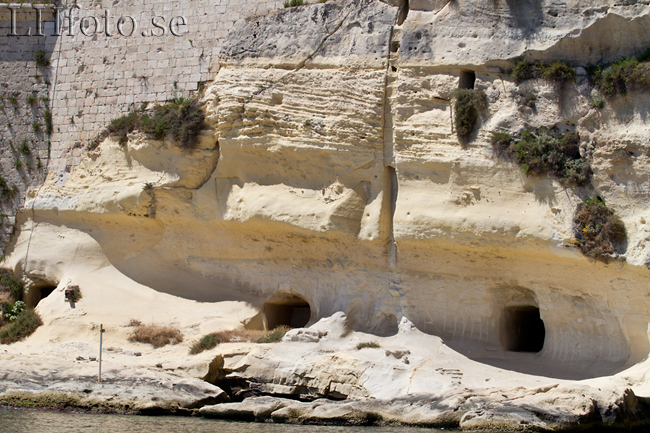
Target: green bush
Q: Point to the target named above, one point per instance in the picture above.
(543, 153)
(368, 345)
(523, 70)
(182, 118)
(598, 230)
(207, 342)
(24, 325)
(468, 103)
(7, 279)
(624, 75)
(13, 310)
(557, 72)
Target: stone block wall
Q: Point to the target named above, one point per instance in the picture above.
(24, 100)
(97, 73)
(101, 72)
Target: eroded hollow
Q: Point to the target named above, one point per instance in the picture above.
(36, 290)
(522, 329)
(288, 310)
(467, 80)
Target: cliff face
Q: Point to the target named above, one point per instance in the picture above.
(331, 178)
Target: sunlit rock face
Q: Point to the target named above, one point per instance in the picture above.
(330, 178)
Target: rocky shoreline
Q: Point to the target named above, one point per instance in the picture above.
(629, 413)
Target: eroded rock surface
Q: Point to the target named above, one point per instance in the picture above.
(330, 181)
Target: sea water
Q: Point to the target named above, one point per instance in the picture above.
(37, 421)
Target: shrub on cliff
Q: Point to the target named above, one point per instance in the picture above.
(24, 324)
(468, 103)
(598, 230)
(557, 72)
(156, 335)
(624, 75)
(9, 283)
(183, 118)
(541, 153)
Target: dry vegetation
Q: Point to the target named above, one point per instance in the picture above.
(598, 230)
(156, 335)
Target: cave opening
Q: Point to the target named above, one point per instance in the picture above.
(467, 80)
(37, 292)
(288, 310)
(523, 329)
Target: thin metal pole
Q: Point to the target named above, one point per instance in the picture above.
(101, 333)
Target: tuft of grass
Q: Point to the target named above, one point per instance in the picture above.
(24, 148)
(541, 153)
(294, 3)
(274, 335)
(31, 99)
(468, 103)
(25, 324)
(13, 100)
(36, 126)
(47, 118)
(368, 345)
(7, 192)
(207, 342)
(183, 118)
(598, 230)
(41, 59)
(528, 99)
(597, 102)
(210, 341)
(558, 72)
(156, 335)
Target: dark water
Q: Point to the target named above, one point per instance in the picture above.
(32, 421)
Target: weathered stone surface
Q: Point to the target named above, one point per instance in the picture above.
(330, 178)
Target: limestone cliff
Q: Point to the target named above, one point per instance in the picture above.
(330, 177)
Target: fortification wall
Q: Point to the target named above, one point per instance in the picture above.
(24, 101)
(96, 73)
(104, 71)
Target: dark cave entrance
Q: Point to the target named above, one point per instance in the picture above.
(522, 329)
(288, 310)
(38, 292)
(467, 80)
